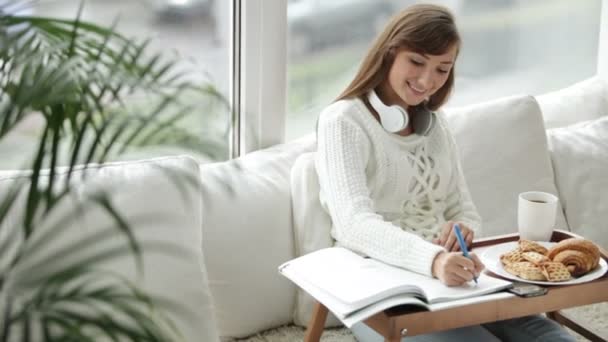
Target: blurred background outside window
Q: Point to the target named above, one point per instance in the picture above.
(195, 31)
(509, 47)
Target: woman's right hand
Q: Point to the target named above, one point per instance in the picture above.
(454, 269)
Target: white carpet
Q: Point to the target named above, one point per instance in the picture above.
(592, 316)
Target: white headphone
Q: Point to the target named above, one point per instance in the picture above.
(393, 118)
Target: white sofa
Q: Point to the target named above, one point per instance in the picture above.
(257, 211)
(161, 200)
(253, 221)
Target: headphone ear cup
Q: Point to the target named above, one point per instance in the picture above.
(401, 113)
(393, 118)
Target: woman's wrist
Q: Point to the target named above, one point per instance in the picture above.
(436, 263)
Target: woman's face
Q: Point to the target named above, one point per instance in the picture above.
(414, 77)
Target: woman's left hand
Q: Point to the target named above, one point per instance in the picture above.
(448, 239)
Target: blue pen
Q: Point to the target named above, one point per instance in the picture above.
(463, 245)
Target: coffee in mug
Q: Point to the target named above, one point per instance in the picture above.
(536, 212)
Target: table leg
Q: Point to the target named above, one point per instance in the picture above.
(563, 319)
(316, 324)
(394, 337)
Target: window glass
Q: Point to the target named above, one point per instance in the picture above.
(192, 31)
(509, 47)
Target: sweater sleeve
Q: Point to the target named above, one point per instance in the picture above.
(341, 163)
(459, 204)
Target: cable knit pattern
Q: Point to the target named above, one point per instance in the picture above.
(389, 195)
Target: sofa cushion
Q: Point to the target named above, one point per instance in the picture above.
(247, 234)
(161, 208)
(580, 159)
(503, 150)
(582, 101)
(311, 225)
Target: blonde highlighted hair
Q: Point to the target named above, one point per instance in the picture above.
(425, 29)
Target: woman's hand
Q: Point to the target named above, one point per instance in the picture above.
(448, 239)
(454, 269)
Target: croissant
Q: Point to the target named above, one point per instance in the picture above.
(581, 263)
(577, 262)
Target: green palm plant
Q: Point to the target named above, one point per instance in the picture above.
(80, 78)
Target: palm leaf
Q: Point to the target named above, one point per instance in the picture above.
(80, 78)
(105, 302)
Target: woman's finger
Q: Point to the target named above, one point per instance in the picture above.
(468, 238)
(451, 244)
(461, 276)
(445, 233)
(479, 266)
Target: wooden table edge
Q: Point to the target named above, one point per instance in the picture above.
(389, 323)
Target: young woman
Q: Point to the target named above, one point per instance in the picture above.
(389, 171)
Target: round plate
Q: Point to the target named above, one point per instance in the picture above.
(491, 258)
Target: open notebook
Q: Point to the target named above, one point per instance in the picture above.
(354, 287)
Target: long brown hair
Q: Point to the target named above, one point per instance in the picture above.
(426, 29)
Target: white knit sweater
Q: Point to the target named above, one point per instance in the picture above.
(389, 195)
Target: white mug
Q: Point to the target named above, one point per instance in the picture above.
(536, 213)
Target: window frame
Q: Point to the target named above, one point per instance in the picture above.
(602, 57)
(260, 74)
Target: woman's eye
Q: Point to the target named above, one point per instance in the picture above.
(415, 62)
(443, 71)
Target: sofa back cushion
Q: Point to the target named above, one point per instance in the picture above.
(311, 228)
(580, 159)
(503, 150)
(163, 210)
(247, 234)
(582, 101)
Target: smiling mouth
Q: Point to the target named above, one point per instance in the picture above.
(415, 90)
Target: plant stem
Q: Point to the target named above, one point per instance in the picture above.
(6, 325)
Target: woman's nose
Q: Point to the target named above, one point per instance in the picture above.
(425, 79)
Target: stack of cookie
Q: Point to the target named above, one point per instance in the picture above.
(565, 260)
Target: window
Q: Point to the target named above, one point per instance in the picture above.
(196, 31)
(509, 46)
